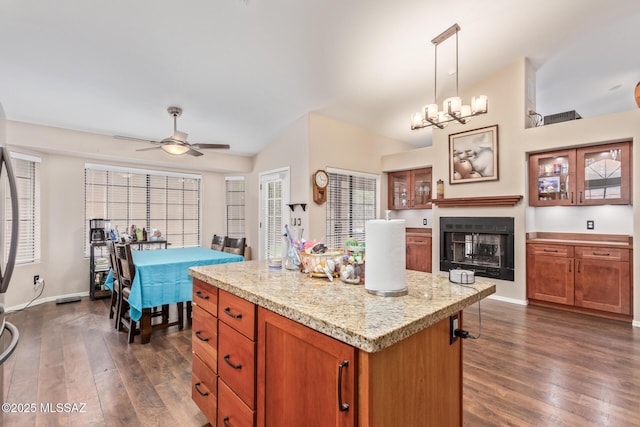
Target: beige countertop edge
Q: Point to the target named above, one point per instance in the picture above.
(370, 344)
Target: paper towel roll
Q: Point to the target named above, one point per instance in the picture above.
(386, 257)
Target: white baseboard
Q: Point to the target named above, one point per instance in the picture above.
(47, 299)
(636, 323)
(509, 300)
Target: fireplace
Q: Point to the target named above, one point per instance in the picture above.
(483, 245)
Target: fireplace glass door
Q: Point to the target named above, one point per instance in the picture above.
(483, 250)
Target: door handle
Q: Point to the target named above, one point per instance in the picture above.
(226, 359)
(200, 337)
(201, 295)
(203, 394)
(228, 312)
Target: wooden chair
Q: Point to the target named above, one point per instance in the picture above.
(115, 273)
(217, 243)
(235, 246)
(127, 271)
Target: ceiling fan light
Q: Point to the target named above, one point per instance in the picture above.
(175, 149)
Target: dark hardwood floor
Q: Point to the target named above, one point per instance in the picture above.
(531, 366)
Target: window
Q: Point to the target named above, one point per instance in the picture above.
(27, 172)
(351, 202)
(155, 200)
(235, 206)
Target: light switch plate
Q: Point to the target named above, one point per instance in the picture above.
(590, 224)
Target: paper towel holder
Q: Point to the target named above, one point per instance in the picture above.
(395, 293)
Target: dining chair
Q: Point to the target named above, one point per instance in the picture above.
(218, 242)
(235, 245)
(115, 274)
(127, 271)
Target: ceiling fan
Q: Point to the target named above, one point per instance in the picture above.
(177, 143)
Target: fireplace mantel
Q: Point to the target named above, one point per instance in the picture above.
(468, 202)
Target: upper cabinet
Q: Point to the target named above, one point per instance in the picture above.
(597, 175)
(410, 189)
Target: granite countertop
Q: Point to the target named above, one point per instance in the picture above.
(343, 311)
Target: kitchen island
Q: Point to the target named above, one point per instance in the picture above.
(297, 350)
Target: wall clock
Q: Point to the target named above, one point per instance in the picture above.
(320, 184)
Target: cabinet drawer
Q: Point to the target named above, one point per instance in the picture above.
(204, 337)
(553, 250)
(204, 388)
(232, 411)
(418, 240)
(612, 254)
(238, 313)
(205, 296)
(237, 365)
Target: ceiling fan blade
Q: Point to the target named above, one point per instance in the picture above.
(130, 138)
(226, 146)
(194, 153)
(150, 148)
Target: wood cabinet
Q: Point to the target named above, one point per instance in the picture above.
(305, 378)
(410, 189)
(281, 373)
(418, 243)
(204, 341)
(596, 175)
(596, 279)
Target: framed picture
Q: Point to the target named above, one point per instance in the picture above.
(473, 155)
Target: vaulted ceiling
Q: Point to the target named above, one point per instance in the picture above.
(243, 70)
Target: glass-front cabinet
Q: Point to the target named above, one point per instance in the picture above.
(597, 175)
(410, 189)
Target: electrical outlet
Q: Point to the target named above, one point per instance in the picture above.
(591, 224)
(453, 325)
(35, 279)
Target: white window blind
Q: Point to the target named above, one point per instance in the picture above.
(163, 201)
(27, 172)
(235, 206)
(351, 202)
(274, 193)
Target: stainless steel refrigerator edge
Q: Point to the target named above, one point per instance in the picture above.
(8, 332)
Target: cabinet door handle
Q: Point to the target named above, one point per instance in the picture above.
(580, 198)
(572, 197)
(226, 359)
(201, 295)
(579, 262)
(203, 394)
(200, 337)
(570, 262)
(343, 407)
(550, 250)
(228, 312)
(225, 421)
(601, 254)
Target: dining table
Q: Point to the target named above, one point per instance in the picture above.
(162, 278)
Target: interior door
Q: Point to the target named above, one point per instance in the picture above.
(274, 194)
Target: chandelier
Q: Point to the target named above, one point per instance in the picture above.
(452, 108)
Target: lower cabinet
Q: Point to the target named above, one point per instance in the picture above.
(305, 378)
(418, 244)
(260, 368)
(593, 279)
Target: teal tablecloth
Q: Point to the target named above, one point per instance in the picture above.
(162, 276)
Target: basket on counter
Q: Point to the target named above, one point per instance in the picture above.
(315, 264)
